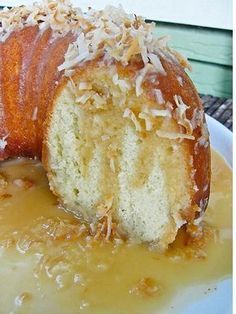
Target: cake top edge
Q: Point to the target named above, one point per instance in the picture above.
(120, 35)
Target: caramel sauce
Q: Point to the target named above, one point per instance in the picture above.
(48, 264)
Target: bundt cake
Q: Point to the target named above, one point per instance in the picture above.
(125, 139)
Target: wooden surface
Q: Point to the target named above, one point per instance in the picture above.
(219, 108)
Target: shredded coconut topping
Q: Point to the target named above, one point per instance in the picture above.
(60, 16)
(141, 75)
(180, 113)
(159, 96)
(204, 139)
(35, 114)
(3, 142)
(117, 36)
(111, 33)
(123, 85)
(157, 63)
(160, 113)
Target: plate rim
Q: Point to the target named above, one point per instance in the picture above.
(221, 139)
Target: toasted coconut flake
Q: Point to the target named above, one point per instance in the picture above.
(99, 101)
(129, 114)
(180, 113)
(84, 86)
(159, 97)
(112, 165)
(105, 207)
(123, 84)
(35, 113)
(141, 75)
(149, 115)
(197, 119)
(160, 113)
(148, 122)
(69, 73)
(156, 63)
(71, 86)
(59, 15)
(203, 141)
(180, 80)
(104, 212)
(117, 36)
(133, 50)
(205, 131)
(143, 48)
(169, 106)
(85, 97)
(174, 135)
(3, 142)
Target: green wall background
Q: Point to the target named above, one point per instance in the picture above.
(209, 51)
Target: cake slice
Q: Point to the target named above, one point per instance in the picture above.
(126, 138)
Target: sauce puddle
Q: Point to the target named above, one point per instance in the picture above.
(48, 265)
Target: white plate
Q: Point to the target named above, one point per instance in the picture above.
(221, 139)
(219, 301)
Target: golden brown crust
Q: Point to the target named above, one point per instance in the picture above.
(169, 84)
(29, 60)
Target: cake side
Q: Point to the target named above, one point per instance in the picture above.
(33, 42)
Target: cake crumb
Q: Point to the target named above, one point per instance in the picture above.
(145, 287)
